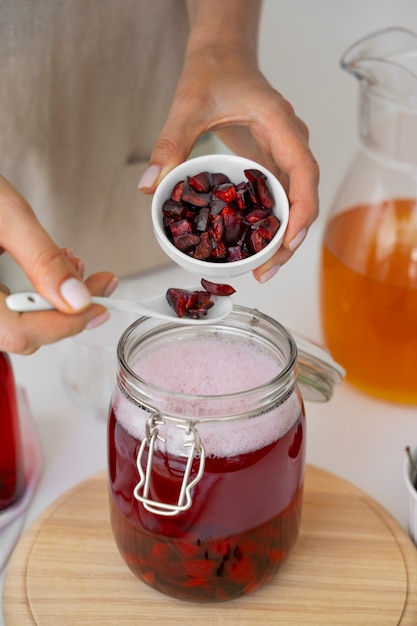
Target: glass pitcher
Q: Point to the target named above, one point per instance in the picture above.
(369, 251)
(206, 451)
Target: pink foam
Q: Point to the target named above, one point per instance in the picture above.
(210, 366)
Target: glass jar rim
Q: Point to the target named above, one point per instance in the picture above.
(276, 389)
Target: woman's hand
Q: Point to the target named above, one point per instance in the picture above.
(55, 273)
(221, 89)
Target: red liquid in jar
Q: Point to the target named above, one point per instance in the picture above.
(12, 479)
(244, 519)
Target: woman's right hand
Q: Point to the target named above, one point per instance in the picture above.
(54, 273)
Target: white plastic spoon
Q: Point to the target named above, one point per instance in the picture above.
(156, 307)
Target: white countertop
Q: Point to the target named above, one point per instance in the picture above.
(354, 436)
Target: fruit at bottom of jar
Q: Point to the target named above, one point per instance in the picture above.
(241, 527)
(211, 218)
(204, 570)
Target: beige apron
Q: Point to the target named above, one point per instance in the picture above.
(85, 86)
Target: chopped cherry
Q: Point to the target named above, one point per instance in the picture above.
(219, 179)
(195, 304)
(186, 242)
(210, 218)
(226, 192)
(201, 182)
(181, 300)
(176, 193)
(217, 289)
(202, 250)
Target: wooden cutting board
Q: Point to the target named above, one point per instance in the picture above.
(353, 565)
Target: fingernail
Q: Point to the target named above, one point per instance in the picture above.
(70, 252)
(98, 320)
(75, 293)
(112, 286)
(297, 240)
(269, 273)
(149, 177)
(81, 268)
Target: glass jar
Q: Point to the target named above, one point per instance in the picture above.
(206, 453)
(12, 479)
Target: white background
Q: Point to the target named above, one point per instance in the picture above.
(301, 45)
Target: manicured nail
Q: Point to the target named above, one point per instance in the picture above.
(149, 177)
(98, 320)
(81, 268)
(299, 238)
(70, 252)
(75, 293)
(269, 273)
(112, 286)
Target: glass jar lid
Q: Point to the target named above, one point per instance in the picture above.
(317, 372)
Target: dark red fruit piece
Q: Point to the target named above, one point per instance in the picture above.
(264, 193)
(200, 221)
(268, 227)
(187, 303)
(217, 289)
(204, 298)
(234, 228)
(219, 252)
(255, 242)
(227, 223)
(173, 209)
(176, 193)
(243, 197)
(203, 248)
(219, 179)
(186, 242)
(226, 192)
(201, 306)
(167, 221)
(182, 227)
(253, 175)
(258, 180)
(190, 196)
(216, 228)
(216, 205)
(256, 215)
(236, 253)
(181, 300)
(200, 182)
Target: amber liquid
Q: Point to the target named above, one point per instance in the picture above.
(369, 297)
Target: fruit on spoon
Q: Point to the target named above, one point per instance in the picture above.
(195, 304)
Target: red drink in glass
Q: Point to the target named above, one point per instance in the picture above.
(246, 508)
(12, 480)
(233, 542)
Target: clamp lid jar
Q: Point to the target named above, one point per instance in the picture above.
(206, 454)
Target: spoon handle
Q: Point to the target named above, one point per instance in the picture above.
(31, 301)
(27, 301)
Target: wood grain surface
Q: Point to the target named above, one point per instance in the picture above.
(353, 565)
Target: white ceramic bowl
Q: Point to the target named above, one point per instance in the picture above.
(412, 497)
(233, 166)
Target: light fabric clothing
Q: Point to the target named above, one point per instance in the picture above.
(85, 87)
